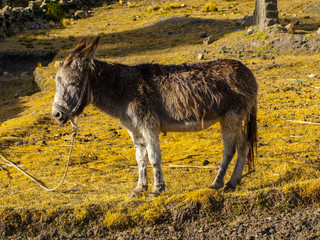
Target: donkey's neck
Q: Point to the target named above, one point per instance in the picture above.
(108, 93)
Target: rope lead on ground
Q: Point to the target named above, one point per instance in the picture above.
(74, 133)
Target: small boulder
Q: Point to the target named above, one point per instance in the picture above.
(291, 27)
(7, 75)
(80, 14)
(312, 75)
(205, 162)
(240, 21)
(209, 40)
(24, 75)
(223, 49)
(200, 56)
(247, 20)
(203, 34)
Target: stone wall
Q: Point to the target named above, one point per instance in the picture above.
(20, 15)
(266, 13)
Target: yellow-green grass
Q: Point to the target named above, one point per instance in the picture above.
(103, 167)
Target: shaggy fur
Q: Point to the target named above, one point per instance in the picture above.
(152, 98)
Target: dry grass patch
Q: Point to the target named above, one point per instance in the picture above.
(103, 168)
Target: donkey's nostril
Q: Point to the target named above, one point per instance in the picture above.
(57, 115)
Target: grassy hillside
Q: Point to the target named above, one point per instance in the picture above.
(103, 168)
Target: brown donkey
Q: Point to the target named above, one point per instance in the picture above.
(152, 98)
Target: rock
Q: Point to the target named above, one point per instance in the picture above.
(24, 75)
(18, 93)
(291, 27)
(223, 49)
(250, 31)
(205, 162)
(318, 31)
(35, 4)
(200, 56)
(6, 9)
(203, 34)
(312, 75)
(248, 20)
(7, 75)
(240, 21)
(276, 28)
(209, 40)
(44, 6)
(80, 14)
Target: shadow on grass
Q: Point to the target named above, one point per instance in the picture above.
(159, 35)
(165, 34)
(16, 79)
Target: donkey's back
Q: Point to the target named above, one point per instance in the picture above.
(191, 97)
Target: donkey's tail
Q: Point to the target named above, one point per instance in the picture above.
(250, 127)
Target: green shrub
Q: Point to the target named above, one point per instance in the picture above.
(55, 11)
(210, 7)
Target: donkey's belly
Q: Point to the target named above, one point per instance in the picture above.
(186, 126)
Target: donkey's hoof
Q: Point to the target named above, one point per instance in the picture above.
(156, 191)
(138, 190)
(216, 186)
(133, 195)
(229, 187)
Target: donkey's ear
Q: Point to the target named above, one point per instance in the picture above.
(90, 50)
(83, 43)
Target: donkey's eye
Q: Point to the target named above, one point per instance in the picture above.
(58, 79)
(72, 84)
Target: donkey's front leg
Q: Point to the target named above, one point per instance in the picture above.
(154, 155)
(142, 160)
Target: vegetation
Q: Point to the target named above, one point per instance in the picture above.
(103, 168)
(210, 7)
(169, 6)
(55, 11)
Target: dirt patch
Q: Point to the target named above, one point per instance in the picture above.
(189, 22)
(263, 215)
(294, 43)
(271, 44)
(301, 223)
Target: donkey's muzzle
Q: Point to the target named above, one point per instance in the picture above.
(59, 115)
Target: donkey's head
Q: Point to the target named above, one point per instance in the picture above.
(72, 81)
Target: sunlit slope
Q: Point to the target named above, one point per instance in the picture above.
(103, 167)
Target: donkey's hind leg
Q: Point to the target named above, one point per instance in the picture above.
(229, 138)
(142, 160)
(242, 152)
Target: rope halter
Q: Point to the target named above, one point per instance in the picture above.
(68, 113)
